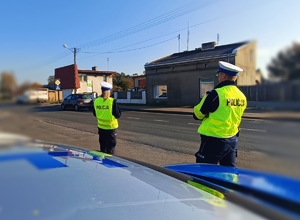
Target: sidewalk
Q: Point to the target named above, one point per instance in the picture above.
(252, 113)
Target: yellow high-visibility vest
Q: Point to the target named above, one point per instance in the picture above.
(225, 121)
(103, 109)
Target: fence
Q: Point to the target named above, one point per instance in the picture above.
(54, 96)
(272, 92)
(267, 95)
(131, 97)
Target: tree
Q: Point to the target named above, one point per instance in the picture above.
(286, 66)
(122, 82)
(8, 84)
(51, 80)
(23, 87)
(27, 85)
(36, 85)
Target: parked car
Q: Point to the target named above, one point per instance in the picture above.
(51, 181)
(78, 101)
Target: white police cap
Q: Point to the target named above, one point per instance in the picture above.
(229, 68)
(106, 86)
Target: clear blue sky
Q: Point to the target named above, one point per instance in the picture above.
(133, 32)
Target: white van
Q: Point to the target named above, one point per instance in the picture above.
(37, 95)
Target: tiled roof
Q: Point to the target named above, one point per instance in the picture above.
(140, 76)
(97, 72)
(197, 54)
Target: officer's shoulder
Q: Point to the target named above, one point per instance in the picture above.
(211, 92)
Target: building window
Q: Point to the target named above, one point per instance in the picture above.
(160, 92)
(82, 77)
(206, 85)
(104, 78)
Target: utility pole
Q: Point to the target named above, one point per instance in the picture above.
(74, 50)
(188, 37)
(178, 43)
(108, 63)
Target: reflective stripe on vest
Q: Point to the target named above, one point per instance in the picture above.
(197, 108)
(225, 121)
(103, 109)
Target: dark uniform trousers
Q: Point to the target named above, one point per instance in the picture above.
(107, 140)
(213, 150)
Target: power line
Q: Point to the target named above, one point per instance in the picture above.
(152, 38)
(143, 26)
(183, 42)
(122, 51)
(117, 36)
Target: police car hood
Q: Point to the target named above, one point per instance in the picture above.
(46, 181)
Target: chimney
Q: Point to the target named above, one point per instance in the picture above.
(95, 68)
(209, 45)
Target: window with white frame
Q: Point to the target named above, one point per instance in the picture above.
(160, 92)
(104, 78)
(82, 77)
(206, 85)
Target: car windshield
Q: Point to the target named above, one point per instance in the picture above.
(87, 96)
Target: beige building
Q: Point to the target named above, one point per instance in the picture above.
(183, 78)
(73, 80)
(90, 80)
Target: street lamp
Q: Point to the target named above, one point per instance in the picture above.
(74, 50)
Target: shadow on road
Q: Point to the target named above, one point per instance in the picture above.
(54, 108)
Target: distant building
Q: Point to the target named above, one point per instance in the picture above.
(183, 78)
(139, 81)
(73, 80)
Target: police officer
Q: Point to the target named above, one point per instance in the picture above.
(107, 111)
(220, 111)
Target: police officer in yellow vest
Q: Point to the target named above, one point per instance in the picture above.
(107, 111)
(220, 111)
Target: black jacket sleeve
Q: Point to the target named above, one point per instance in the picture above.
(210, 104)
(116, 111)
(94, 112)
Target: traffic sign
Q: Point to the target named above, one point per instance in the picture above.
(57, 82)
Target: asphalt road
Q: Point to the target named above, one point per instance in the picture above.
(274, 143)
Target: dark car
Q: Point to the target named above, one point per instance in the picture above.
(78, 101)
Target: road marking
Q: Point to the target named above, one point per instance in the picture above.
(291, 125)
(254, 121)
(193, 124)
(161, 120)
(133, 118)
(141, 112)
(257, 130)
